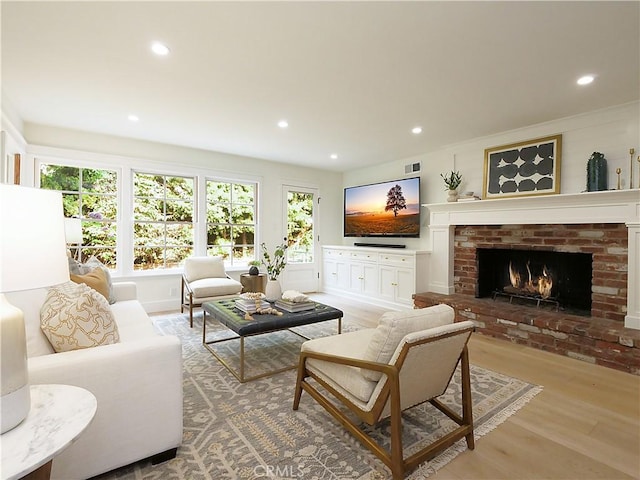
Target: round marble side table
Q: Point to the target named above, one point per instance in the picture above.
(58, 415)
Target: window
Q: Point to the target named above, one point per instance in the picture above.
(300, 227)
(231, 221)
(92, 195)
(163, 210)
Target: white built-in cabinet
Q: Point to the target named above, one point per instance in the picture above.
(383, 276)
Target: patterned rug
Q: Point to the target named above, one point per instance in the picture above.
(250, 431)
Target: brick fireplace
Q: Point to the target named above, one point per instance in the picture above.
(603, 227)
(605, 243)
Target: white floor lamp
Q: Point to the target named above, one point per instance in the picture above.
(32, 255)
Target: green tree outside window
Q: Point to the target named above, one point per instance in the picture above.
(91, 195)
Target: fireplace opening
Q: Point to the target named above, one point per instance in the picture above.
(543, 279)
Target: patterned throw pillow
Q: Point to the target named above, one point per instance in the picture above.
(75, 316)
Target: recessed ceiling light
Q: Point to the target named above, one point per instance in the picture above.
(283, 124)
(585, 80)
(160, 49)
(133, 118)
(333, 156)
(416, 130)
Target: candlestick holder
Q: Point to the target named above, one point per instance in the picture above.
(618, 171)
(631, 152)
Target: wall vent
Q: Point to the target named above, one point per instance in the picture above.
(412, 167)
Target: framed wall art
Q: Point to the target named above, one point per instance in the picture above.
(522, 169)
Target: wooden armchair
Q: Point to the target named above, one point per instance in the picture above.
(205, 279)
(377, 373)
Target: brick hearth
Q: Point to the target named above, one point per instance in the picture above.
(594, 340)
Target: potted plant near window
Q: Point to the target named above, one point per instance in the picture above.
(452, 180)
(253, 267)
(274, 264)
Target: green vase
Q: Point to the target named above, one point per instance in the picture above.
(597, 173)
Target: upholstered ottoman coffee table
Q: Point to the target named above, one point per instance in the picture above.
(226, 313)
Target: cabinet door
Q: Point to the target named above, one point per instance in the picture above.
(387, 283)
(370, 279)
(342, 274)
(330, 274)
(405, 280)
(356, 278)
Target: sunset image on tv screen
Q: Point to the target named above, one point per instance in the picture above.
(383, 209)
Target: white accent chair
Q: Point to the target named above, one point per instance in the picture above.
(205, 279)
(410, 358)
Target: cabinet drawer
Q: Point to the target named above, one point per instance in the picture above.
(396, 259)
(334, 253)
(364, 256)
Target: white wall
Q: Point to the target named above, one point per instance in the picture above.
(612, 131)
(11, 143)
(160, 291)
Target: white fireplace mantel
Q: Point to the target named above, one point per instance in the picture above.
(614, 206)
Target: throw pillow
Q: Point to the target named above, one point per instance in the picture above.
(96, 279)
(392, 328)
(77, 268)
(75, 316)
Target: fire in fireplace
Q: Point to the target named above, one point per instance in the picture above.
(560, 280)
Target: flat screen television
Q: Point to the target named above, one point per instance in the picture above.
(387, 209)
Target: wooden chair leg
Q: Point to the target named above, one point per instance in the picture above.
(298, 392)
(191, 310)
(182, 295)
(467, 404)
(397, 459)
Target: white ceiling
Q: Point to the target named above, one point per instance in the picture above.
(351, 78)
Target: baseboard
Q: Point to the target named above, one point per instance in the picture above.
(171, 305)
(631, 321)
(366, 299)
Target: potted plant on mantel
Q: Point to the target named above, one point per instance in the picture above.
(274, 264)
(452, 180)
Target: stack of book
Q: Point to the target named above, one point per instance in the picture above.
(295, 306)
(251, 305)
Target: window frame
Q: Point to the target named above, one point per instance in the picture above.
(166, 223)
(77, 249)
(124, 167)
(231, 263)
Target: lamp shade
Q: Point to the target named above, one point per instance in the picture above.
(33, 251)
(32, 255)
(73, 230)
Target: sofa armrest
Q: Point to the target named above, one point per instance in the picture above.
(125, 291)
(138, 386)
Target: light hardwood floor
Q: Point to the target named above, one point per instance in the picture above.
(585, 424)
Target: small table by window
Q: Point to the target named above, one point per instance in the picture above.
(58, 415)
(253, 283)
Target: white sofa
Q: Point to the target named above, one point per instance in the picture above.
(137, 382)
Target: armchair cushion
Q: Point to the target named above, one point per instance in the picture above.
(196, 268)
(214, 287)
(392, 328)
(352, 345)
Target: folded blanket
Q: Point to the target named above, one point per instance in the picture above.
(294, 296)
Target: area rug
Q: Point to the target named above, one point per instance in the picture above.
(250, 431)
